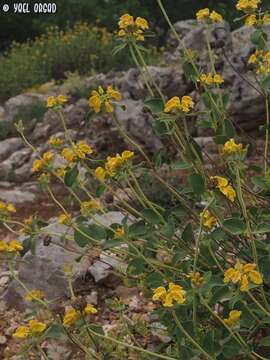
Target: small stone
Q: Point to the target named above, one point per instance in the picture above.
(4, 281)
(3, 340)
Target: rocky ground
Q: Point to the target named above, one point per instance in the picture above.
(17, 183)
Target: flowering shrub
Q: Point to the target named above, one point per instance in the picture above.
(202, 263)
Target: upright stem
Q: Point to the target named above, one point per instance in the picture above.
(266, 145)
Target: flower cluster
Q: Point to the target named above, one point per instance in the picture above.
(113, 165)
(262, 61)
(87, 207)
(12, 246)
(72, 315)
(185, 104)
(55, 141)
(7, 208)
(233, 319)
(224, 187)
(59, 100)
(243, 274)
(35, 295)
(132, 28)
(79, 150)
(100, 98)
(175, 293)
(196, 278)
(211, 79)
(205, 14)
(64, 219)
(33, 328)
(255, 20)
(247, 5)
(208, 220)
(42, 163)
(230, 148)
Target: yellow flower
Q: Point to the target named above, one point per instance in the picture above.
(159, 293)
(14, 246)
(127, 155)
(37, 165)
(48, 156)
(100, 174)
(113, 164)
(224, 187)
(68, 155)
(55, 141)
(21, 332)
(125, 21)
(247, 4)
(119, 232)
(185, 104)
(90, 309)
(208, 220)
(71, 316)
(3, 246)
(56, 101)
(90, 206)
(229, 192)
(61, 99)
(82, 149)
(243, 274)
(266, 19)
(216, 17)
(36, 326)
(95, 101)
(234, 317)
(251, 20)
(203, 14)
(175, 293)
(196, 278)
(61, 171)
(10, 208)
(64, 219)
(100, 97)
(210, 79)
(35, 295)
(230, 147)
(142, 23)
(51, 102)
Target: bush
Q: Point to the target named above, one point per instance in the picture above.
(84, 48)
(200, 257)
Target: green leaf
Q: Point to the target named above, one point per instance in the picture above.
(154, 280)
(181, 165)
(96, 231)
(189, 71)
(71, 176)
(80, 236)
(187, 234)
(151, 216)
(259, 38)
(197, 183)
(260, 181)
(136, 267)
(168, 229)
(265, 341)
(266, 82)
(97, 329)
(55, 331)
(262, 228)
(83, 234)
(154, 105)
(235, 226)
(137, 229)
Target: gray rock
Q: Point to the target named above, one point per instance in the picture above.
(8, 146)
(17, 196)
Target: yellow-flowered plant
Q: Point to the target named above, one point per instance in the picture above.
(224, 187)
(41, 164)
(208, 220)
(244, 275)
(101, 99)
(233, 319)
(247, 5)
(34, 328)
(196, 278)
(34, 295)
(261, 60)
(211, 79)
(175, 294)
(132, 29)
(230, 147)
(185, 104)
(56, 101)
(205, 14)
